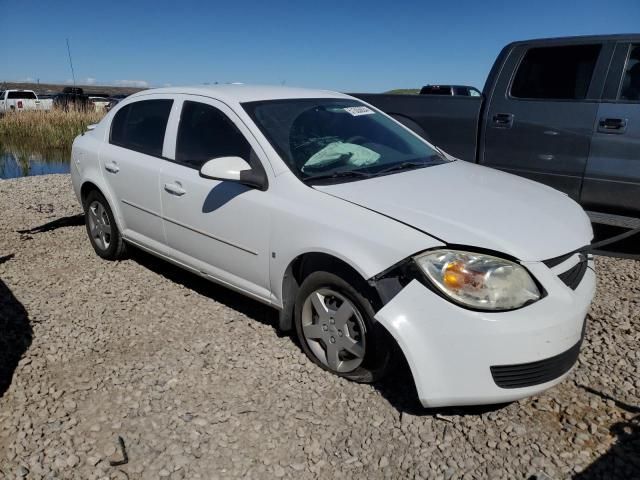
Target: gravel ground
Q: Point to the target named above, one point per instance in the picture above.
(199, 385)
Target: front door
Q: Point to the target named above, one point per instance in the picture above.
(541, 127)
(220, 228)
(612, 178)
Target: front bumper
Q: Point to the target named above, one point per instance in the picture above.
(451, 350)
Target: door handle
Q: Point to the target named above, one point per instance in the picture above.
(612, 125)
(112, 167)
(503, 120)
(174, 189)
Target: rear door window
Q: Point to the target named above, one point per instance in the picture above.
(206, 133)
(141, 126)
(630, 88)
(556, 73)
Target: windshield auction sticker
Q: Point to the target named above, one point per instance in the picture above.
(357, 111)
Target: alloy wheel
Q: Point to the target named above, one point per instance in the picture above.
(99, 225)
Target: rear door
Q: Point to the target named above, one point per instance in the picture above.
(131, 160)
(612, 177)
(539, 121)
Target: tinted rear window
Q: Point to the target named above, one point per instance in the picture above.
(22, 95)
(556, 73)
(435, 90)
(140, 126)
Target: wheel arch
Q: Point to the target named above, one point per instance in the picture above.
(305, 264)
(89, 184)
(86, 188)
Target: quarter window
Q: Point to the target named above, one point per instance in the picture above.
(206, 133)
(556, 73)
(630, 89)
(140, 126)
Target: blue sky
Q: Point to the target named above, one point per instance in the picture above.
(342, 45)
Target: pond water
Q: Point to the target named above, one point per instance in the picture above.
(19, 162)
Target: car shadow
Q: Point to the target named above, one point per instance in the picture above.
(70, 221)
(622, 460)
(222, 194)
(236, 301)
(399, 389)
(15, 335)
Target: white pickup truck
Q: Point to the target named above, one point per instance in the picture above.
(19, 100)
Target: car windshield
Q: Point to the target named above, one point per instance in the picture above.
(331, 139)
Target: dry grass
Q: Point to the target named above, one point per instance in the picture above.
(41, 131)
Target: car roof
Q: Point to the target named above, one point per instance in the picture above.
(241, 93)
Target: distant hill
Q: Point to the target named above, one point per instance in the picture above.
(404, 91)
(48, 88)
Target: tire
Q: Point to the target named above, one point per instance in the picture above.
(101, 227)
(364, 348)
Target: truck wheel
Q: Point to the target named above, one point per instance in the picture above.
(335, 327)
(102, 228)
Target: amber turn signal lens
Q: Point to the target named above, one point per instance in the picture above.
(454, 275)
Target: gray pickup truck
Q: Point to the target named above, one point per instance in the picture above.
(565, 112)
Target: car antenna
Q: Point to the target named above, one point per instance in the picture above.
(73, 74)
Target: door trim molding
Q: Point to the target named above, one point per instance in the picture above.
(208, 235)
(150, 212)
(195, 230)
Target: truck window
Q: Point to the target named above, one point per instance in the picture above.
(556, 73)
(21, 95)
(630, 88)
(140, 126)
(435, 90)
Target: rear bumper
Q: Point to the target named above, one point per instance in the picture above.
(451, 350)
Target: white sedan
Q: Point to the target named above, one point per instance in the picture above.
(370, 242)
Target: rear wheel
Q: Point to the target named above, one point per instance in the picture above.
(335, 326)
(102, 228)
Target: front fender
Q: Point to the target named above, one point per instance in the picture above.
(367, 241)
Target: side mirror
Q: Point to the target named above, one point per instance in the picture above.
(234, 169)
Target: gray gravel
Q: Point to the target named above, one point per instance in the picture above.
(199, 384)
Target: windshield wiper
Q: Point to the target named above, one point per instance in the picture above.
(337, 174)
(401, 166)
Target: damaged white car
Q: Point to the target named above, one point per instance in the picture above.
(369, 241)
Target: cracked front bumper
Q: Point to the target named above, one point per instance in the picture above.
(451, 350)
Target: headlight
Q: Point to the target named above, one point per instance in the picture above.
(479, 281)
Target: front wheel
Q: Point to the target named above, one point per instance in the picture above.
(335, 326)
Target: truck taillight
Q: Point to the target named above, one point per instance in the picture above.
(19, 103)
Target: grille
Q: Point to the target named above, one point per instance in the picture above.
(535, 373)
(574, 275)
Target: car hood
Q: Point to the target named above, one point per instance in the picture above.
(469, 205)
